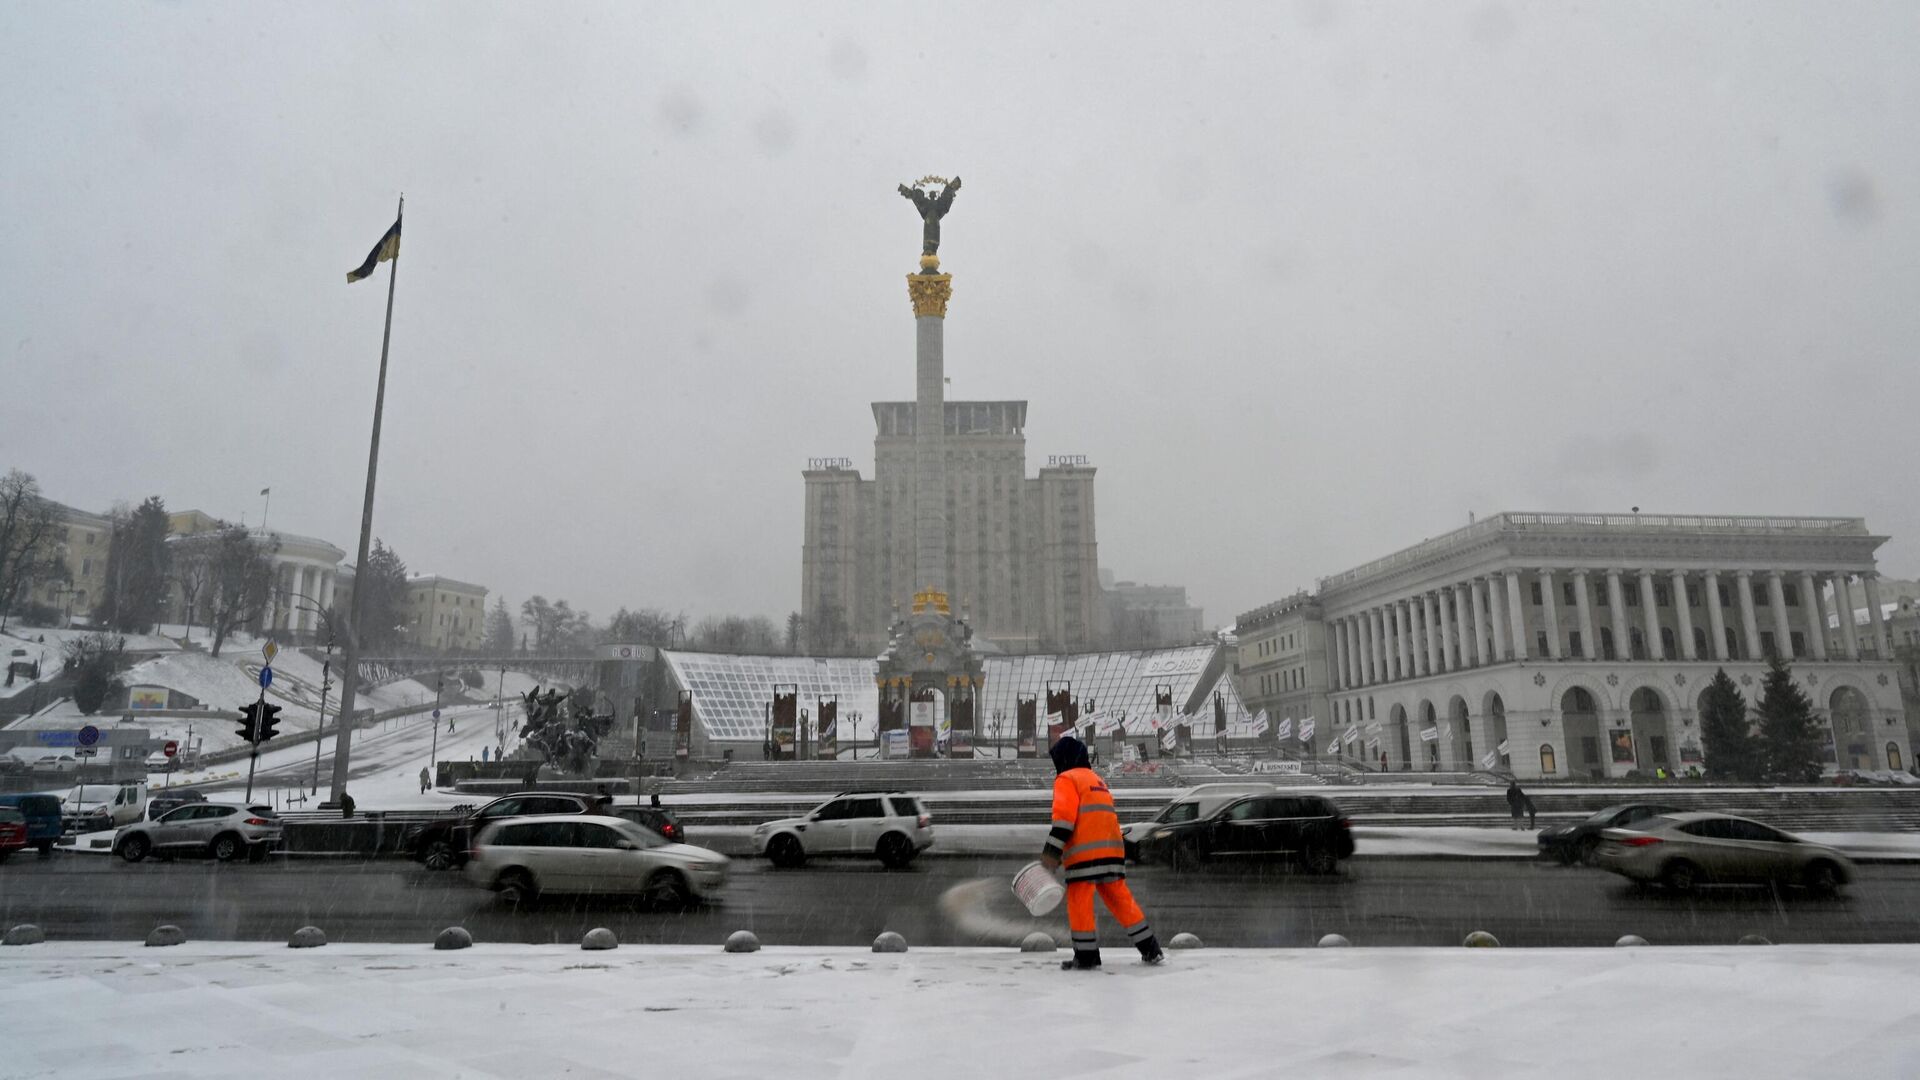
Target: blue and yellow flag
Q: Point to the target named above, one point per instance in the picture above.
(387, 248)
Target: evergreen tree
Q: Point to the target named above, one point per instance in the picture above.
(139, 568)
(1726, 737)
(383, 599)
(499, 628)
(1791, 743)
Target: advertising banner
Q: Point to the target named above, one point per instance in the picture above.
(829, 747)
(786, 718)
(1428, 734)
(146, 697)
(1024, 722)
(1306, 730)
(1690, 754)
(1622, 741)
(960, 725)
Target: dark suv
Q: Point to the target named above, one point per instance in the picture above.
(443, 844)
(1253, 829)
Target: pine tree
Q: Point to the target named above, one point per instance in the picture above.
(139, 570)
(499, 628)
(1726, 737)
(1791, 743)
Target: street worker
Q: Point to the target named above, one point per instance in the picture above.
(1086, 839)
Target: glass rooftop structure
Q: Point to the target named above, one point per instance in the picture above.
(731, 693)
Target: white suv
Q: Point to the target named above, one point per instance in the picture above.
(889, 826)
(522, 857)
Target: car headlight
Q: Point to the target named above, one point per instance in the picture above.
(1162, 834)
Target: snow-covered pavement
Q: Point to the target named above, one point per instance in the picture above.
(209, 1010)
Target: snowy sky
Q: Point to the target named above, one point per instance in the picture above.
(1308, 282)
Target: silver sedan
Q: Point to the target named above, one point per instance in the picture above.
(1686, 851)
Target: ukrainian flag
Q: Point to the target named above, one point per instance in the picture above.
(387, 248)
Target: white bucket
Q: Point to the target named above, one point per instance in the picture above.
(1037, 888)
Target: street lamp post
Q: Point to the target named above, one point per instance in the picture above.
(319, 729)
(433, 755)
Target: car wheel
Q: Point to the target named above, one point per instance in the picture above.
(895, 851)
(1821, 878)
(1320, 860)
(225, 847)
(46, 849)
(439, 855)
(1680, 876)
(135, 847)
(666, 890)
(785, 852)
(1183, 858)
(516, 888)
(1583, 850)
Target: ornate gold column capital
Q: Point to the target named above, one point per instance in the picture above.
(930, 293)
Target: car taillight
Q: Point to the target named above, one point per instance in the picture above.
(1640, 841)
(926, 820)
(1343, 823)
(258, 821)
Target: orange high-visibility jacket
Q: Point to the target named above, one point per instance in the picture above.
(1086, 829)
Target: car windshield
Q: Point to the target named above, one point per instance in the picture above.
(1174, 813)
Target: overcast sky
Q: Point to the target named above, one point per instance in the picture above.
(1307, 282)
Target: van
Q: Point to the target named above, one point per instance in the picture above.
(96, 807)
(43, 818)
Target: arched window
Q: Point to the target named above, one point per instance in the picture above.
(1700, 643)
(1733, 645)
(1546, 759)
(1893, 757)
(1637, 643)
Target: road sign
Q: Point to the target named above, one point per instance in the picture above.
(266, 677)
(171, 748)
(269, 650)
(88, 735)
(436, 714)
(85, 751)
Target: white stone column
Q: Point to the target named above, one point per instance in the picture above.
(1397, 634)
(1843, 604)
(1583, 610)
(1461, 652)
(326, 589)
(1500, 617)
(1477, 599)
(1810, 607)
(1749, 623)
(1550, 613)
(1716, 616)
(303, 584)
(1655, 651)
(1368, 675)
(1336, 671)
(1356, 663)
(1782, 629)
(1380, 646)
(1617, 608)
(1877, 618)
(1408, 620)
(1430, 627)
(1517, 616)
(1685, 612)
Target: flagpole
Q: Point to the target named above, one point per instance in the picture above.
(350, 662)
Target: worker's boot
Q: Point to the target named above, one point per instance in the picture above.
(1083, 960)
(1150, 950)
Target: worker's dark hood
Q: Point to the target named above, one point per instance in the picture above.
(1069, 753)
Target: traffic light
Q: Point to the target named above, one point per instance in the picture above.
(269, 720)
(249, 728)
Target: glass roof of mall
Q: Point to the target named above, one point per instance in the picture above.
(730, 693)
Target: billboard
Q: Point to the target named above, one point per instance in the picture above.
(829, 715)
(147, 697)
(960, 724)
(1026, 719)
(786, 716)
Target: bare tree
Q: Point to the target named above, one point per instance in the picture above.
(193, 559)
(29, 540)
(736, 634)
(241, 582)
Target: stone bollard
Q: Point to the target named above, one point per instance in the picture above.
(1754, 939)
(166, 935)
(599, 938)
(742, 941)
(24, 934)
(1629, 940)
(1333, 941)
(1480, 939)
(307, 937)
(1184, 940)
(453, 937)
(888, 941)
(1038, 941)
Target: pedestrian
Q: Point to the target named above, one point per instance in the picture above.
(425, 780)
(1516, 801)
(346, 804)
(1528, 801)
(656, 800)
(1383, 761)
(1085, 839)
(483, 754)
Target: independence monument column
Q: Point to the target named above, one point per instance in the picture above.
(929, 290)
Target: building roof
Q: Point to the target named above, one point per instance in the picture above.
(438, 581)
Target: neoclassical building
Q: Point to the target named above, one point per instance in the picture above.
(304, 573)
(1578, 645)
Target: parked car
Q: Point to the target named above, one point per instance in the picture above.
(1255, 829)
(13, 831)
(521, 858)
(97, 807)
(1686, 851)
(657, 818)
(43, 818)
(442, 844)
(1576, 842)
(168, 799)
(221, 830)
(891, 826)
(1194, 803)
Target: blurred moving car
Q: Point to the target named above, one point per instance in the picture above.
(1686, 851)
(520, 858)
(442, 844)
(1576, 842)
(1194, 803)
(1253, 829)
(891, 826)
(13, 831)
(43, 818)
(657, 818)
(221, 830)
(98, 807)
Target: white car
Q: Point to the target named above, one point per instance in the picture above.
(521, 858)
(92, 807)
(890, 826)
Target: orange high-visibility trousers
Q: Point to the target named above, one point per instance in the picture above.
(1119, 901)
